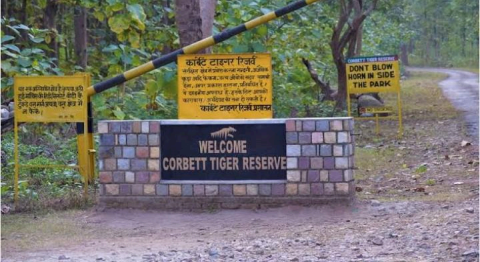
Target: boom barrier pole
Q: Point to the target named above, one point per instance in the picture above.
(159, 62)
(195, 47)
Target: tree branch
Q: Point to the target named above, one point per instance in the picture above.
(324, 87)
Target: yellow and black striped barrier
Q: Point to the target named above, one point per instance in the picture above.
(87, 154)
(195, 47)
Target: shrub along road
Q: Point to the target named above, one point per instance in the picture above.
(417, 201)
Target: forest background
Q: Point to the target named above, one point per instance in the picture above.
(106, 38)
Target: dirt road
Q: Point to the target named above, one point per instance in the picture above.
(461, 88)
(375, 231)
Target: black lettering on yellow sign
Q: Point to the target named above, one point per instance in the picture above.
(225, 86)
(373, 74)
(389, 74)
(380, 83)
(50, 99)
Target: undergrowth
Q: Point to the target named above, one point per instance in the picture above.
(42, 188)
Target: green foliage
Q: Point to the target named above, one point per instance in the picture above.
(430, 182)
(23, 57)
(421, 169)
(42, 149)
(303, 34)
(445, 33)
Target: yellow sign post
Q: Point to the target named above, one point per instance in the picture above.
(52, 99)
(224, 86)
(376, 74)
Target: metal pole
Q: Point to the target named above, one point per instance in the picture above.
(15, 179)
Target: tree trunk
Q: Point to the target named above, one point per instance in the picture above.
(80, 27)
(404, 54)
(342, 82)
(207, 13)
(166, 21)
(194, 20)
(49, 19)
(189, 21)
(325, 88)
(23, 19)
(4, 6)
(358, 48)
(359, 32)
(345, 35)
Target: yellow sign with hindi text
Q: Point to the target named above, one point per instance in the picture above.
(51, 98)
(224, 86)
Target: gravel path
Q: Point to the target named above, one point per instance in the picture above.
(364, 231)
(461, 88)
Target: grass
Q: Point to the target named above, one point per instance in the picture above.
(422, 100)
(383, 160)
(475, 70)
(26, 231)
(437, 197)
(386, 157)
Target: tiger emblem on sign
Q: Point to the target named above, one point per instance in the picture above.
(223, 133)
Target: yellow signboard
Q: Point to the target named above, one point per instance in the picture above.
(224, 86)
(373, 74)
(51, 98)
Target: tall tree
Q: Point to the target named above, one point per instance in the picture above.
(50, 23)
(344, 39)
(80, 28)
(194, 20)
(207, 13)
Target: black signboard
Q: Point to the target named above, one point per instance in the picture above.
(223, 152)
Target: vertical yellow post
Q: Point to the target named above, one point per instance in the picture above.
(86, 141)
(86, 164)
(91, 157)
(399, 105)
(89, 136)
(15, 182)
(348, 103)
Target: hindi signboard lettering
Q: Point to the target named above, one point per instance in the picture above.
(224, 86)
(51, 98)
(373, 74)
(223, 152)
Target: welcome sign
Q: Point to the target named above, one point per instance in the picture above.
(223, 152)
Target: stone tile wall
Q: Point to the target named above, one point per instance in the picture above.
(319, 154)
